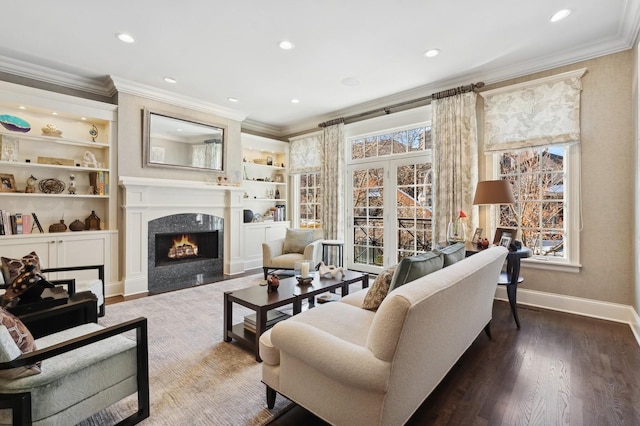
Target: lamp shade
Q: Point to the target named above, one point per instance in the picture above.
(494, 192)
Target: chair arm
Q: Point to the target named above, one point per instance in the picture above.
(139, 324)
(331, 356)
(271, 249)
(313, 252)
(100, 269)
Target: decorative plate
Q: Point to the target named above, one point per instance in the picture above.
(15, 124)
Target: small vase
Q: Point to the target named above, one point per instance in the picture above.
(456, 232)
(58, 227)
(92, 223)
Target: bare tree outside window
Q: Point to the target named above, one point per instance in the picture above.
(537, 177)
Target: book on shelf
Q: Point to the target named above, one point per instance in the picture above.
(18, 221)
(273, 317)
(6, 222)
(100, 182)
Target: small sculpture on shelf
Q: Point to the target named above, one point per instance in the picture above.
(93, 132)
(89, 160)
(51, 130)
(31, 185)
(72, 184)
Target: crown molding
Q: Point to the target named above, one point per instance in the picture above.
(48, 75)
(132, 88)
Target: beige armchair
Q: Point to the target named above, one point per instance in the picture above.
(296, 246)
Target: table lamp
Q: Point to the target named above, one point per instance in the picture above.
(493, 192)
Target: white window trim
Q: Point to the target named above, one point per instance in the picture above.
(572, 208)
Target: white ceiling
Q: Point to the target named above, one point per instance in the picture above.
(219, 49)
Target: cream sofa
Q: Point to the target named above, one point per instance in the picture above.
(352, 366)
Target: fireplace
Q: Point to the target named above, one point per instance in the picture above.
(185, 250)
(173, 248)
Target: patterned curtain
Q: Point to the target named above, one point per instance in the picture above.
(305, 154)
(333, 162)
(535, 113)
(455, 161)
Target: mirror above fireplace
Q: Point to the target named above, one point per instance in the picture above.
(171, 141)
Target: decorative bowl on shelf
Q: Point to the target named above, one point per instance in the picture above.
(15, 124)
(51, 130)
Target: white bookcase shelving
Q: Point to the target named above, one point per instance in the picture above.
(265, 184)
(86, 126)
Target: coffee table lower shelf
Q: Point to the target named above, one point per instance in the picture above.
(289, 293)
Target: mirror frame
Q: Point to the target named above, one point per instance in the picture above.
(146, 141)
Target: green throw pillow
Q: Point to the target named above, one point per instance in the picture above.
(296, 240)
(414, 267)
(452, 254)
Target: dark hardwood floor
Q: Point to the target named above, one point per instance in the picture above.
(558, 369)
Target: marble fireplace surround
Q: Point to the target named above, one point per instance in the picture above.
(146, 199)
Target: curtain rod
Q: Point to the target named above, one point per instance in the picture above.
(387, 110)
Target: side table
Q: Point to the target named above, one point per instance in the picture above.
(511, 276)
(326, 244)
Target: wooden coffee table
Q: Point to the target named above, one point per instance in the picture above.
(289, 292)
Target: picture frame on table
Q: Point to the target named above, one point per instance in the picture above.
(7, 183)
(503, 232)
(477, 236)
(505, 241)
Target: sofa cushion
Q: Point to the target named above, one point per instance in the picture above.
(452, 254)
(413, 267)
(22, 339)
(379, 289)
(11, 268)
(72, 377)
(296, 240)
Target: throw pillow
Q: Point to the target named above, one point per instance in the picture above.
(11, 268)
(452, 254)
(379, 289)
(414, 267)
(23, 339)
(296, 240)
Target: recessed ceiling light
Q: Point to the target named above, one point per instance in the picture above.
(54, 113)
(286, 45)
(233, 100)
(431, 53)
(560, 15)
(350, 81)
(22, 107)
(83, 118)
(179, 129)
(170, 80)
(124, 37)
(295, 101)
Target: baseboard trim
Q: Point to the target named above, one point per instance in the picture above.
(579, 306)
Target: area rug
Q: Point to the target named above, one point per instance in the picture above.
(195, 377)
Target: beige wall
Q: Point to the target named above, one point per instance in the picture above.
(130, 140)
(608, 171)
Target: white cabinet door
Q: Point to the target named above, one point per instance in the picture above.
(16, 248)
(257, 233)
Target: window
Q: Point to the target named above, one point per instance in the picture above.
(391, 143)
(310, 201)
(545, 182)
(390, 200)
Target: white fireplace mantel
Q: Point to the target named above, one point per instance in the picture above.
(146, 199)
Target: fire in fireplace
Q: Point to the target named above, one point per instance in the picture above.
(184, 247)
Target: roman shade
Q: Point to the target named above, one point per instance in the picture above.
(536, 113)
(305, 154)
